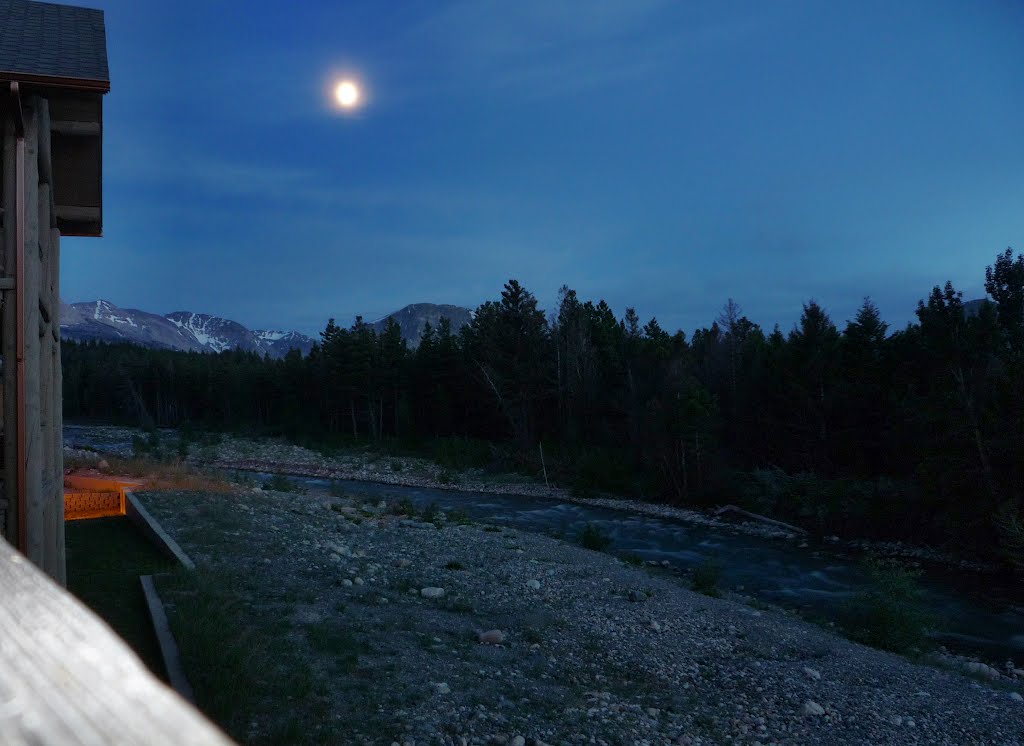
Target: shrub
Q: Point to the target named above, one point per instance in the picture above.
(889, 613)
(446, 476)
(404, 507)
(594, 537)
(459, 517)
(459, 454)
(632, 559)
(396, 465)
(707, 576)
(430, 513)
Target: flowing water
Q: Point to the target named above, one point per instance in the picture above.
(975, 614)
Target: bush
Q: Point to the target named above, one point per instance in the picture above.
(459, 454)
(446, 476)
(890, 613)
(594, 537)
(707, 576)
(430, 513)
(598, 470)
(404, 507)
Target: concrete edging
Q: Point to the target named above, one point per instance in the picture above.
(165, 639)
(149, 526)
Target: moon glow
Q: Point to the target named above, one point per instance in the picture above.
(346, 93)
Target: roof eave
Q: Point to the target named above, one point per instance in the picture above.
(54, 81)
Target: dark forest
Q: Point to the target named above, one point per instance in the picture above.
(915, 434)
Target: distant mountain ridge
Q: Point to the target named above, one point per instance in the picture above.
(102, 321)
(413, 319)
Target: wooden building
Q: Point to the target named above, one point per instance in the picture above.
(53, 75)
(65, 678)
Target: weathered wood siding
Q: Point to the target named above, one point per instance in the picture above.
(43, 518)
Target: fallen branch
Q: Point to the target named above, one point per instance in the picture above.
(756, 517)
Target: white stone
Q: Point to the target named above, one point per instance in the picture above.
(533, 584)
(812, 708)
(491, 637)
(518, 741)
(1016, 697)
(812, 674)
(981, 669)
(358, 581)
(347, 583)
(443, 688)
(432, 592)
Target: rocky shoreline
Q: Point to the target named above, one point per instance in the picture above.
(473, 634)
(278, 456)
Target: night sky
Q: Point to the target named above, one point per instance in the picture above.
(660, 154)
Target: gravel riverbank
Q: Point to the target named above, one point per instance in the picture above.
(447, 633)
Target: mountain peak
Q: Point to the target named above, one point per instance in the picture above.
(103, 321)
(412, 319)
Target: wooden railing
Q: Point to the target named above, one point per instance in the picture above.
(66, 678)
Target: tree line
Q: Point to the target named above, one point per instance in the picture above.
(916, 434)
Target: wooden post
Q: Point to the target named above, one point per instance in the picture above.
(8, 339)
(51, 466)
(35, 503)
(60, 575)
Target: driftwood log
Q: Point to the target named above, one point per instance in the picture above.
(66, 678)
(762, 518)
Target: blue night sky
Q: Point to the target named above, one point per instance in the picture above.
(660, 154)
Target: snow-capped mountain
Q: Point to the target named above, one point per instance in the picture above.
(413, 318)
(182, 330)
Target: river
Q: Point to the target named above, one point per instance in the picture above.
(976, 614)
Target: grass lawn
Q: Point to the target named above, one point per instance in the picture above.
(105, 557)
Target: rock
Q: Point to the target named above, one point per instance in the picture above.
(442, 688)
(518, 741)
(533, 584)
(347, 583)
(1016, 697)
(812, 708)
(637, 596)
(491, 637)
(358, 581)
(432, 592)
(335, 557)
(980, 669)
(812, 674)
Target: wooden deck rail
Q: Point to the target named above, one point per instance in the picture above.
(66, 678)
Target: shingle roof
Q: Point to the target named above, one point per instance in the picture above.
(52, 41)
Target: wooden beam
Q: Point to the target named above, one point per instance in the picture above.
(8, 340)
(78, 214)
(76, 129)
(36, 509)
(67, 679)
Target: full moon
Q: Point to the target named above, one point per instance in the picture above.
(347, 94)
